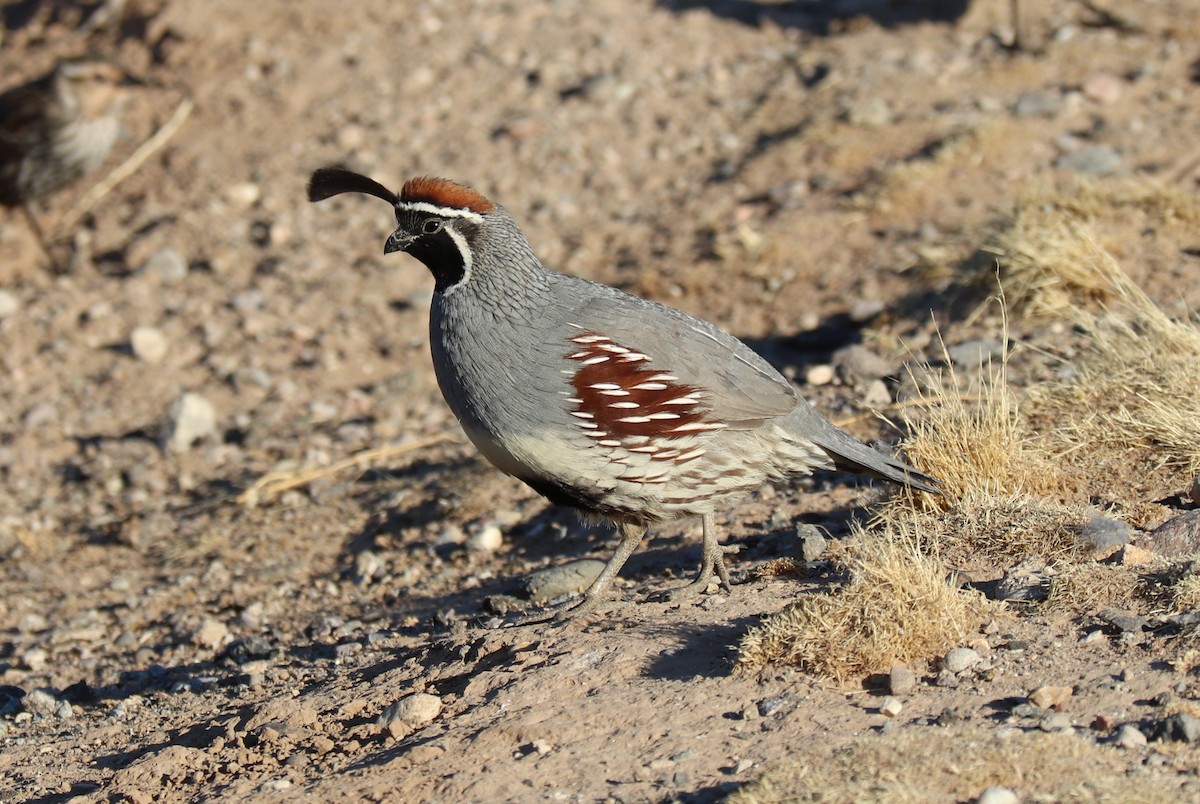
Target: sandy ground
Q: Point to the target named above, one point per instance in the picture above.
(808, 176)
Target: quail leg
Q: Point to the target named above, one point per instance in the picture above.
(631, 537)
(39, 235)
(712, 559)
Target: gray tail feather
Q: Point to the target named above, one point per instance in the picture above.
(850, 455)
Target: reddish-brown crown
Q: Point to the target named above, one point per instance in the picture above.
(445, 193)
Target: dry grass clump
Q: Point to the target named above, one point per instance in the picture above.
(1003, 529)
(972, 437)
(1136, 392)
(972, 445)
(920, 765)
(1050, 257)
(1135, 389)
(896, 607)
(1185, 593)
(1091, 586)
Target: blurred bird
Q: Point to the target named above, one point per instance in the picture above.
(57, 129)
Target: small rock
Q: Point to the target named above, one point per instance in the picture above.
(876, 394)
(872, 112)
(1123, 621)
(1092, 160)
(1179, 727)
(40, 414)
(1103, 88)
(211, 634)
(1039, 103)
(34, 659)
(1178, 536)
(858, 365)
(487, 539)
(778, 705)
(1056, 721)
(148, 344)
(901, 680)
(415, 710)
(165, 265)
(451, 535)
(819, 375)
(1024, 582)
(1101, 534)
(1130, 736)
(864, 310)
(43, 701)
(1051, 697)
(368, 566)
(957, 660)
(948, 717)
(890, 707)
(998, 795)
(244, 194)
(976, 352)
(192, 418)
(1133, 556)
(9, 305)
(1194, 492)
(813, 544)
(946, 679)
(1027, 710)
(743, 765)
(546, 584)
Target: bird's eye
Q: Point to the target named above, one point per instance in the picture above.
(431, 226)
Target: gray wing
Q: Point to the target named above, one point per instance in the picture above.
(747, 390)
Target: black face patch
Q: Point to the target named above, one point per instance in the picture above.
(433, 244)
(442, 257)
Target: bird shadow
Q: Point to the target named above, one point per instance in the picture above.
(824, 17)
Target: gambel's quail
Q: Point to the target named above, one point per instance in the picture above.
(56, 129)
(601, 401)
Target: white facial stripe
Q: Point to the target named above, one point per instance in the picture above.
(461, 242)
(445, 212)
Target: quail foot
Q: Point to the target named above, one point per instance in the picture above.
(601, 401)
(57, 129)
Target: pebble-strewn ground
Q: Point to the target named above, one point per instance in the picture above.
(807, 176)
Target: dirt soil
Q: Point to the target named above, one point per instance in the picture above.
(807, 176)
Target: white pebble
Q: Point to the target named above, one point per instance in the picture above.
(891, 707)
(9, 305)
(998, 795)
(34, 659)
(165, 265)
(193, 417)
(244, 195)
(819, 375)
(488, 539)
(148, 344)
(1130, 736)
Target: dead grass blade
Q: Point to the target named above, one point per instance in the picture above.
(275, 483)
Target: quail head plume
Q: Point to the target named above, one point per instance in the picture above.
(599, 400)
